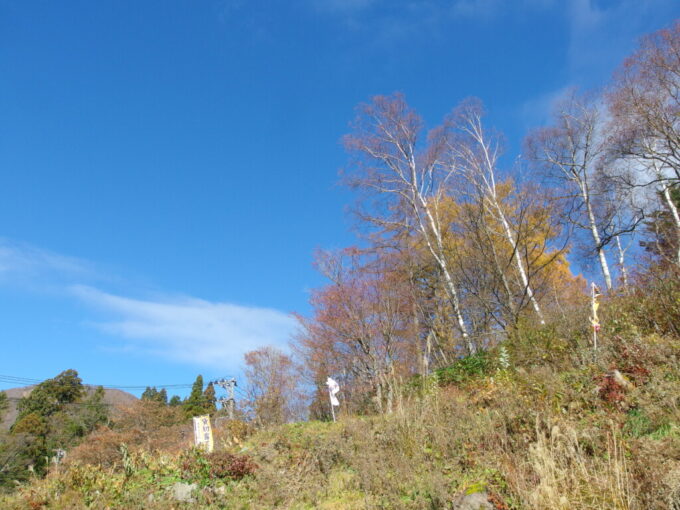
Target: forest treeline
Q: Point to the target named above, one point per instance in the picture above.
(59, 413)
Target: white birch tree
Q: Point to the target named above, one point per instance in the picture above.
(645, 127)
(409, 182)
(569, 153)
(476, 154)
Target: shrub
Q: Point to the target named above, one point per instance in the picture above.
(475, 365)
(201, 467)
(550, 344)
(103, 447)
(610, 390)
(652, 307)
(227, 465)
(231, 432)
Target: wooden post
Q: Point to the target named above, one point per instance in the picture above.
(594, 321)
(330, 398)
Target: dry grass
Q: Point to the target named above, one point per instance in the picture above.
(566, 476)
(536, 437)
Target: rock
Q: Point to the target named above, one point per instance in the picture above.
(476, 501)
(183, 492)
(216, 491)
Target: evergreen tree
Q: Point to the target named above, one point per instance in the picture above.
(31, 433)
(210, 399)
(195, 405)
(175, 401)
(163, 396)
(151, 394)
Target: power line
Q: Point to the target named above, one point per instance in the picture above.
(27, 381)
(228, 384)
(161, 386)
(85, 404)
(10, 379)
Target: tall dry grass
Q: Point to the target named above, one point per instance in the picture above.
(560, 472)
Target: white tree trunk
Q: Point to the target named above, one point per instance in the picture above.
(676, 219)
(485, 171)
(518, 262)
(622, 263)
(427, 354)
(597, 240)
(439, 256)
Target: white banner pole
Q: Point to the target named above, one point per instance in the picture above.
(330, 397)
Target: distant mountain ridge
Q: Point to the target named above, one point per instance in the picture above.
(115, 398)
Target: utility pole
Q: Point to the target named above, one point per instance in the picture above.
(229, 402)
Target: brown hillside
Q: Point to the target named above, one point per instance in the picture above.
(115, 398)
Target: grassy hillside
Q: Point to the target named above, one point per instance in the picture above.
(569, 429)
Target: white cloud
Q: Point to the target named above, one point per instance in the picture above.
(184, 329)
(189, 330)
(389, 23)
(22, 263)
(538, 111)
(600, 35)
(444, 8)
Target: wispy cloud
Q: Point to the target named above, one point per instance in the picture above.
(600, 36)
(397, 21)
(538, 110)
(186, 329)
(182, 329)
(415, 12)
(28, 265)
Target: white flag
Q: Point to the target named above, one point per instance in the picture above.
(333, 389)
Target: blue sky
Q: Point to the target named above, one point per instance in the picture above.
(167, 168)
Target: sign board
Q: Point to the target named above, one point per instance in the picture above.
(203, 437)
